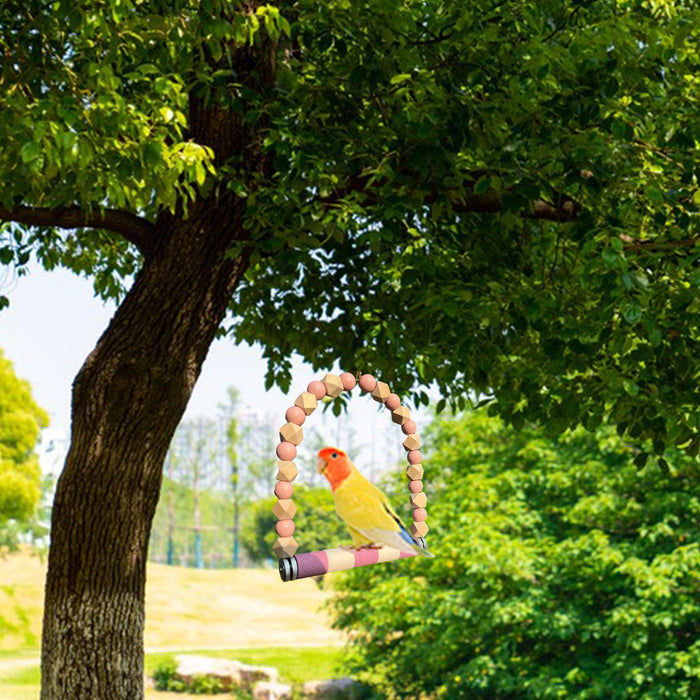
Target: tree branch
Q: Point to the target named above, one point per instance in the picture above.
(133, 228)
(564, 210)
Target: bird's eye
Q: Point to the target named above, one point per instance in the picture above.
(334, 455)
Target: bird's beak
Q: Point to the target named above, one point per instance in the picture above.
(321, 465)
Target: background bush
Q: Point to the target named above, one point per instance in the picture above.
(561, 571)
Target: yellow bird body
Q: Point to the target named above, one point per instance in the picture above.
(363, 507)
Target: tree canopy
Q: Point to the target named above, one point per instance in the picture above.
(561, 571)
(20, 422)
(501, 199)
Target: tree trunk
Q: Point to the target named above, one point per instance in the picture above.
(127, 401)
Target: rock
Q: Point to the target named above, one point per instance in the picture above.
(230, 674)
(269, 690)
(250, 675)
(332, 689)
(226, 672)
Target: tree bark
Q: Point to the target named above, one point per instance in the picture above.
(129, 397)
(127, 401)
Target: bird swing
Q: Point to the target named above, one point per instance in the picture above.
(380, 536)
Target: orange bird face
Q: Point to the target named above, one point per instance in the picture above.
(334, 465)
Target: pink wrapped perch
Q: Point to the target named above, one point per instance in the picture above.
(338, 559)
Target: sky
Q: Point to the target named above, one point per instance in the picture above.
(54, 320)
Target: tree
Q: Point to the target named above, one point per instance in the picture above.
(562, 571)
(500, 198)
(20, 477)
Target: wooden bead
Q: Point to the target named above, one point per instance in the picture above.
(286, 451)
(419, 500)
(381, 392)
(415, 486)
(409, 427)
(286, 471)
(284, 509)
(291, 432)
(400, 415)
(296, 415)
(419, 529)
(333, 385)
(412, 442)
(317, 389)
(392, 402)
(307, 402)
(415, 471)
(285, 528)
(419, 516)
(285, 547)
(348, 381)
(367, 382)
(415, 457)
(284, 489)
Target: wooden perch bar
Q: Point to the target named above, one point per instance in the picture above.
(326, 561)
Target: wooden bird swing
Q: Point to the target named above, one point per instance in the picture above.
(294, 566)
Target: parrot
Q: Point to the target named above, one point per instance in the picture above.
(363, 507)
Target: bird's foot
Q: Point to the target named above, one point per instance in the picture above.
(373, 545)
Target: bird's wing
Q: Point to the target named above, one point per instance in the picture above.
(367, 512)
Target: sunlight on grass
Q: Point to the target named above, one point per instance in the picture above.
(296, 665)
(213, 612)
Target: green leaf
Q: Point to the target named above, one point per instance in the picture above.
(30, 151)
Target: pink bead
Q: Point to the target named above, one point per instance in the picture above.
(392, 401)
(285, 528)
(317, 389)
(295, 415)
(367, 382)
(348, 381)
(286, 451)
(415, 486)
(414, 456)
(409, 427)
(284, 489)
(419, 515)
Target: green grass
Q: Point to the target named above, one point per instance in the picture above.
(295, 664)
(271, 621)
(21, 683)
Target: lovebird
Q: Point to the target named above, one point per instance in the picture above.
(363, 507)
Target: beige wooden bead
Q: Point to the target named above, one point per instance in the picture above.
(419, 529)
(286, 471)
(291, 432)
(285, 547)
(381, 392)
(334, 387)
(419, 500)
(307, 402)
(284, 509)
(412, 442)
(414, 471)
(400, 415)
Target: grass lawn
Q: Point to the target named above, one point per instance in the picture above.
(248, 615)
(295, 665)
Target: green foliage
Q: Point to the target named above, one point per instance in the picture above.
(561, 571)
(20, 422)
(164, 676)
(388, 121)
(317, 525)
